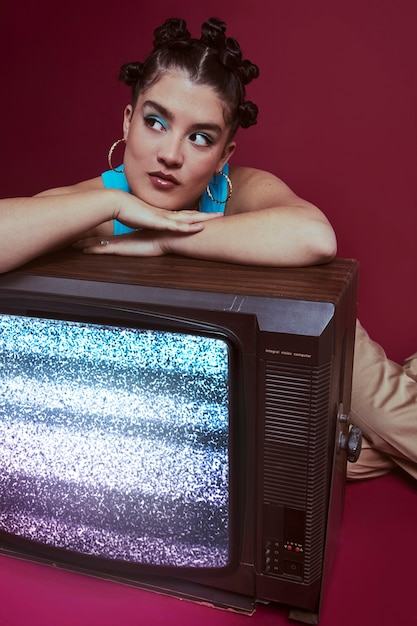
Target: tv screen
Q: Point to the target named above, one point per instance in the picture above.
(114, 441)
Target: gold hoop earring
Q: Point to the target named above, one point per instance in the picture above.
(229, 190)
(110, 154)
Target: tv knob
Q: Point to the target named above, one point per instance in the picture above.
(351, 443)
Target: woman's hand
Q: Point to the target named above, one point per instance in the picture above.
(156, 227)
(138, 243)
(135, 213)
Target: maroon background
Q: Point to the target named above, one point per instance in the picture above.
(338, 115)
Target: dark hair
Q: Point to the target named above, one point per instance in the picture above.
(214, 60)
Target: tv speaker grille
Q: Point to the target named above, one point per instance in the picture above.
(296, 438)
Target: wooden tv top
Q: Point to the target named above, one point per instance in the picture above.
(321, 282)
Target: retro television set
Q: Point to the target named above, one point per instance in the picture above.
(181, 425)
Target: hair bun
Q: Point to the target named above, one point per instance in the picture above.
(248, 114)
(248, 71)
(213, 33)
(232, 54)
(130, 73)
(172, 31)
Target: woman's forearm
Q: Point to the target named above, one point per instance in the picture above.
(30, 227)
(265, 237)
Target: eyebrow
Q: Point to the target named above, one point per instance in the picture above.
(169, 116)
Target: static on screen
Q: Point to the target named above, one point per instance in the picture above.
(114, 441)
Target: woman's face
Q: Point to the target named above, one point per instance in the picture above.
(176, 139)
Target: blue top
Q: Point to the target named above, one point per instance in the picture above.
(218, 185)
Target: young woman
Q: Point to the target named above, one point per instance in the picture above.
(175, 193)
(188, 102)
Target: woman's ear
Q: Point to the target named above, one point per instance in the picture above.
(227, 153)
(127, 116)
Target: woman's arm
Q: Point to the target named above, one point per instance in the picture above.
(30, 227)
(265, 224)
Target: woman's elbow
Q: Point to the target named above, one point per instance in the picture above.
(324, 248)
(329, 250)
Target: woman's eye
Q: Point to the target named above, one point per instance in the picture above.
(155, 122)
(201, 139)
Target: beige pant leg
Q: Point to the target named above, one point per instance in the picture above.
(410, 366)
(384, 406)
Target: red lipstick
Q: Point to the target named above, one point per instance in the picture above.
(160, 180)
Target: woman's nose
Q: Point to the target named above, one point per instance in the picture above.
(170, 151)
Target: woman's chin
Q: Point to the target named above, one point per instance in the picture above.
(167, 201)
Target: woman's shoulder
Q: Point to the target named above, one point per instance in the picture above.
(85, 185)
(255, 188)
(243, 174)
